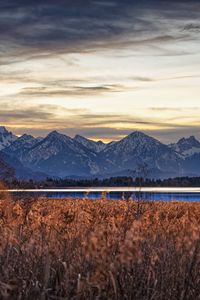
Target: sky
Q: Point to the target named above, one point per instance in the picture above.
(100, 68)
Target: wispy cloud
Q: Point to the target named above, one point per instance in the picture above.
(71, 91)
(89, 50)
(176, 109)
(40, 120)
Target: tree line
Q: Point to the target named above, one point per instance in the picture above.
(107, 182)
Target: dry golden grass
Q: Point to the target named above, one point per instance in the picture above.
(81, 249)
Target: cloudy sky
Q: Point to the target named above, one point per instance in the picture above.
(100, 68)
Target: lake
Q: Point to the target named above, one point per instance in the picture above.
(115, 193)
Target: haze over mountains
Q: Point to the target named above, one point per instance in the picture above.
(58, 155)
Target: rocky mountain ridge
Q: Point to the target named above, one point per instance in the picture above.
(58, 155)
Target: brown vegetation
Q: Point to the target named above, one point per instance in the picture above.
(81, 249)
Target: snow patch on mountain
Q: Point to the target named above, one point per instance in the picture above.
(26, 141)
(92, 145)
(61, 155)
(58, 155)
(139, 148)
(186, 146)
(6, 137)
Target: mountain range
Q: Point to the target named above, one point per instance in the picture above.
(59, 156)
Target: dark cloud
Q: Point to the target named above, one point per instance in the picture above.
(43, 27)
(33, 114)
(71, 91)
(98, 120)
(57, 24)
(192, 27)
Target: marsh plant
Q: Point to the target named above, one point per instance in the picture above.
(81, 249)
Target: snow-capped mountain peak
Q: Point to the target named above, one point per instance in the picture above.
(20, 146)
(54, 133)
(140, 137)
(92, 145)
(60, 155)
(3, 129)
(135, 142)
(51, 145)
(25, 141)
(26, 137)
(138, 148)
(187, 146)
(6, 137)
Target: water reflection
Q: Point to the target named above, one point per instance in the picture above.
(146, 196)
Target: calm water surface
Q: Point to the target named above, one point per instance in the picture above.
(151, 194)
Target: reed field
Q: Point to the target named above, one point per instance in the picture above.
(83, 249)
